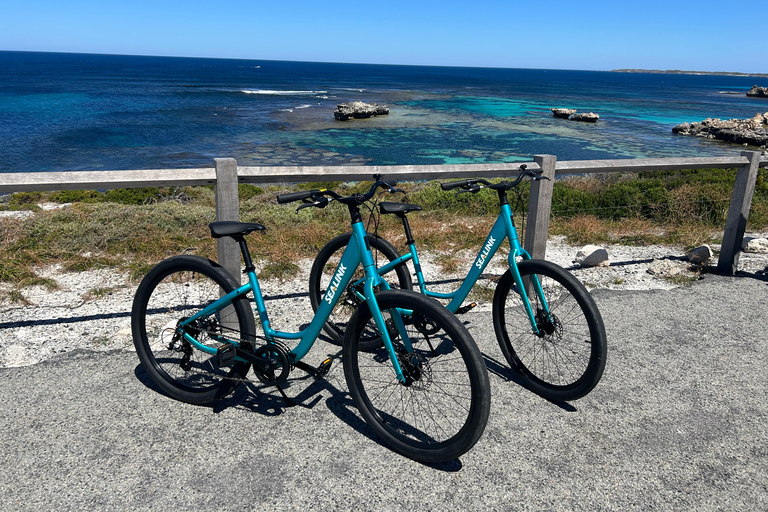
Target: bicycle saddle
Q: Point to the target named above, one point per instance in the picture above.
(398, 208)
(231, 228)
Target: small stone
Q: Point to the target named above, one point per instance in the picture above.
(592, 256)
(758, 245)
(700, 254)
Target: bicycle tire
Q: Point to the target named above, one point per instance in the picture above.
(566, 363)
(175, 289)
(442, 412)
(321, 273)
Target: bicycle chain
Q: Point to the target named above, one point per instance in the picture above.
(187, 348)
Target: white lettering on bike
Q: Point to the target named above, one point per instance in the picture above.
(331, 293)
(484, 254)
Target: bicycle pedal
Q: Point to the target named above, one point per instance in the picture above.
(226, 354)
(466, 308)
(324, 368)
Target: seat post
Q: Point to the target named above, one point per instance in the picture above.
(407, 228)
(246, 255)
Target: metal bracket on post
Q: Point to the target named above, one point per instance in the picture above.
(738, 213)
(539, 208)
(227, 209)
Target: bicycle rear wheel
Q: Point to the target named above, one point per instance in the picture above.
(566, 360)
(441, 410)
(172, 291)
(322, 271)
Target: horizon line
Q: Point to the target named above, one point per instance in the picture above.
(614, 70)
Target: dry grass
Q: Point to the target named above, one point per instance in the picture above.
(586, 229)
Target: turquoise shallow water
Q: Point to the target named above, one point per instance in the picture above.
(74, 112)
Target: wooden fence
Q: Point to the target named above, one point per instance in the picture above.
(227, 174)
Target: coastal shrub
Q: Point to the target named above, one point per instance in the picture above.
(568, 201)
(320, 185)
(24, 198)
(76, 196)
(247, 191)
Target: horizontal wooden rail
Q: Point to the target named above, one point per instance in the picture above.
(102, 180)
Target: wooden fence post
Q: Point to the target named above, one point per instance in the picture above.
(227, 208)
(539, 206)
(738, 213)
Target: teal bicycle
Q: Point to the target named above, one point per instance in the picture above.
(546, 322)
(424, 391)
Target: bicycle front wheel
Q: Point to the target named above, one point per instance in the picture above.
(441, 409)
(566, 359)
(171, 292)
(322, 272)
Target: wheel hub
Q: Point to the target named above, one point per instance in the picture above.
(415, 370)
(548, 324)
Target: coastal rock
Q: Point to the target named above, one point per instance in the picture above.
(700, 255)
(756, 245)
(592, 256)
(753, 132)
(758, 92)
(359, 110)
(563, 113)
(589, 117)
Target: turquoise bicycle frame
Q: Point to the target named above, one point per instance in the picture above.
(503, 228)
(357, 252)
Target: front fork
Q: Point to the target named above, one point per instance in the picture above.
(523, 290)
(381, 325)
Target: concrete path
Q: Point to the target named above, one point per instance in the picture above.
(679, 422)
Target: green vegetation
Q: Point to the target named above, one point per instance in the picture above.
(132, 229)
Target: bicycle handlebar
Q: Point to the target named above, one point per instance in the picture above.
(470, 185)
(319, 198)
(295, 196)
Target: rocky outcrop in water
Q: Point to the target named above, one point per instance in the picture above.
(753, 132)
(570, 113)
(589, 117)
(359, 110)
(758, 92)
(563, 113)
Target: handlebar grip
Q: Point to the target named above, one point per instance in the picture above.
(454, 184)
(295, 196)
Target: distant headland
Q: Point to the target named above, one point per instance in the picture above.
(679, 72)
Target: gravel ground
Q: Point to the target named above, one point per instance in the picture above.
(679, 421)
(91, 310)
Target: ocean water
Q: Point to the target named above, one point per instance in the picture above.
(62, 112)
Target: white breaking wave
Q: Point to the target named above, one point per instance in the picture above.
(304, 106)
(281, 93)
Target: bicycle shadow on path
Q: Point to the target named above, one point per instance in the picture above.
(266, 400)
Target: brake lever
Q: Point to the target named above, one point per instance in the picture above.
(320, 203)
(472, 189)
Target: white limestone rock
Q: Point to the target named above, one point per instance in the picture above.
(592, 256)
(756, 245)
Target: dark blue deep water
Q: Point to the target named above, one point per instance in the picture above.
(63, 112)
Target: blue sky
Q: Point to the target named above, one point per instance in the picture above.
(601, 35)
